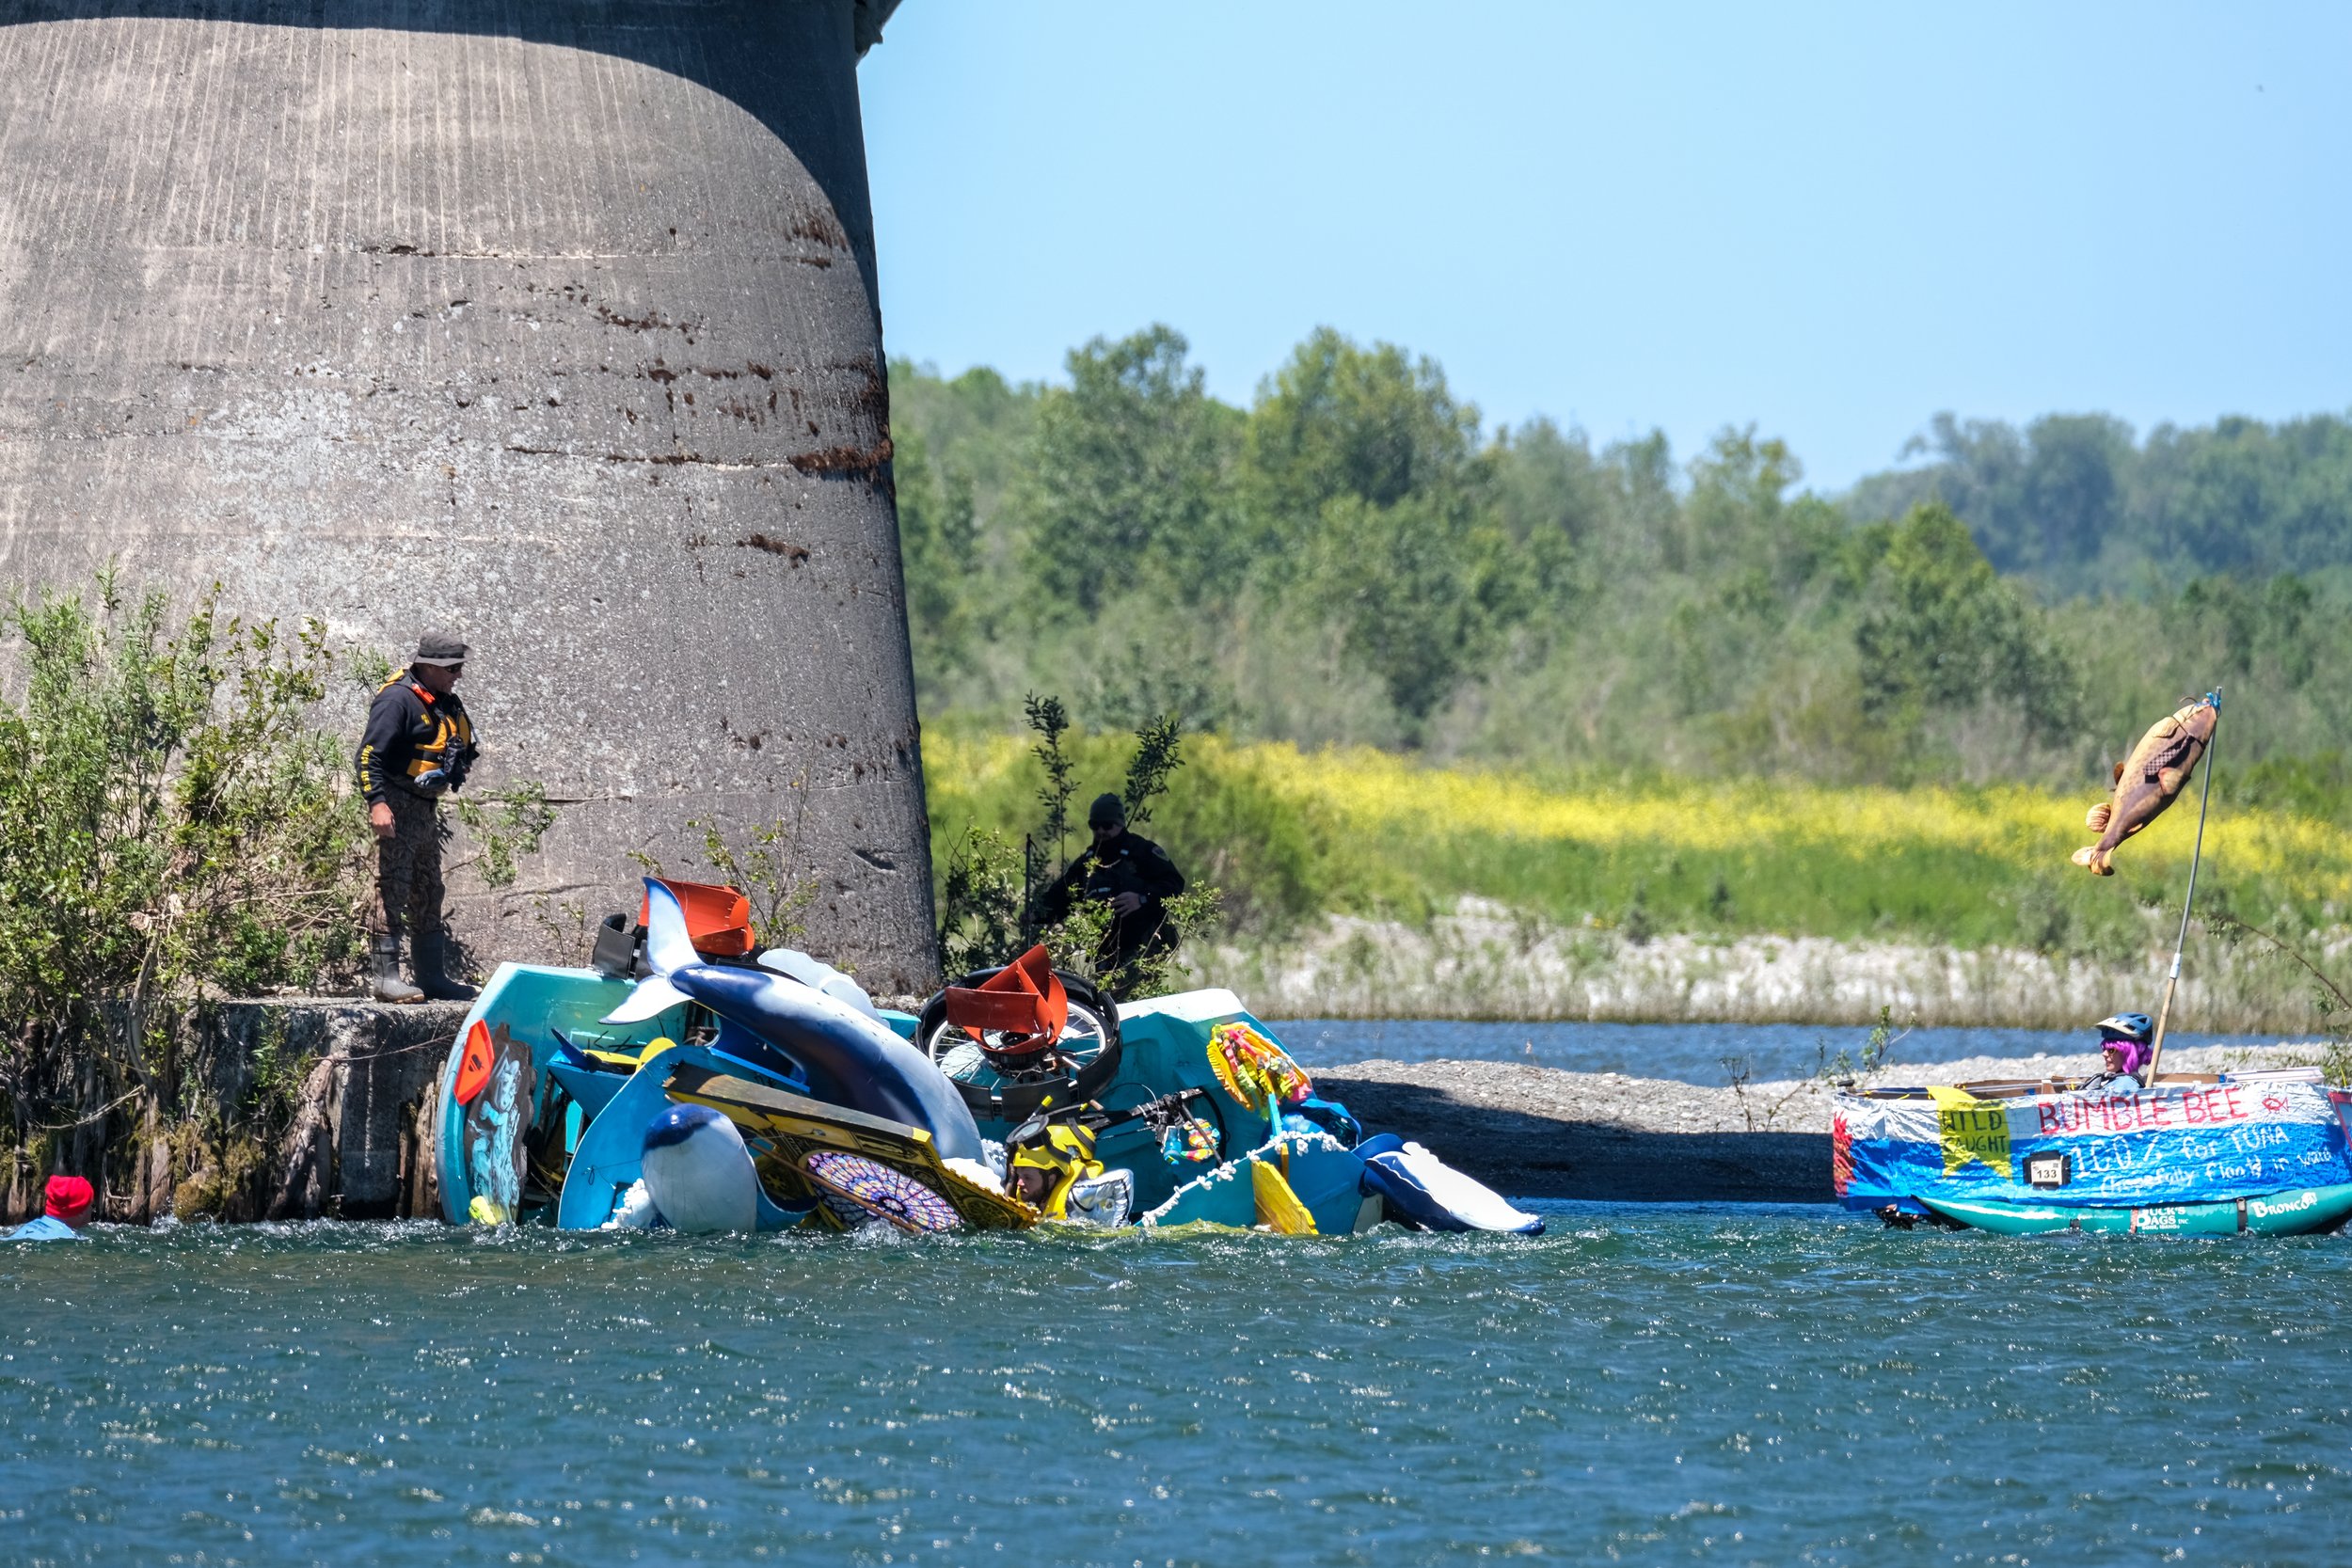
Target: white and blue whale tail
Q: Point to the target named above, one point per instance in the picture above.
(1423, 1192)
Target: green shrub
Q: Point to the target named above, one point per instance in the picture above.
(171, 826)
(989, 891)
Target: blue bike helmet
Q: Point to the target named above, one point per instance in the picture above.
(2135, 1027)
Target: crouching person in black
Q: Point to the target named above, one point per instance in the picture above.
(1132, 875)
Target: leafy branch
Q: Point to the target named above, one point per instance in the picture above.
(2329, 997)
(1159, 751)
(1050, 721)
(988, 889)
(769, 868)
(766, 866)
(504, 824)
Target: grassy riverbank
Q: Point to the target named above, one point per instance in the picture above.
(1297, 837)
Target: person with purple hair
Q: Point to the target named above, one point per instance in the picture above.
(2123, 1052)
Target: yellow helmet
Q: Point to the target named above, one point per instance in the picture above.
(1065, 1156)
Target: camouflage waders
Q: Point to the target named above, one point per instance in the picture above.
(409, 895)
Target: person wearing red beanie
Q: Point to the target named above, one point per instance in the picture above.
(64, 1211)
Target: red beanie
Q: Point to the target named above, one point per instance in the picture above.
(69, 1199)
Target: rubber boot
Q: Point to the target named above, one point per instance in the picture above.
(433, 971)
(384, 981)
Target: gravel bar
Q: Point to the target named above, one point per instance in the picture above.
(1533, 1131)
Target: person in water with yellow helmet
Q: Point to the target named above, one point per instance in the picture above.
(1053, 1169)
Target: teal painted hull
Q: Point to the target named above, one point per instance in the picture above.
(1327, 1180)
(477, 1156)
(2302, 1212)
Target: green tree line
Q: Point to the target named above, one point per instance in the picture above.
(1358, 557)
(2073, 502)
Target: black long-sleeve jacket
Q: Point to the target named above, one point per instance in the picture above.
(1130, 863)
(411, 732)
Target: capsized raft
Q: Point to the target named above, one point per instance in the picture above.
(554, 1090)
(2262, 1153)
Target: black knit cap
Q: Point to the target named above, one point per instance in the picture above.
(439, 648)
(1108, 811)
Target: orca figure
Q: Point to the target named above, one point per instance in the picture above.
(848, 1056)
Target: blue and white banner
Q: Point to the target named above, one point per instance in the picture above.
(2183, 1143)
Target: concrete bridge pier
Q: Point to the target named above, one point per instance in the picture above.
(553, 322)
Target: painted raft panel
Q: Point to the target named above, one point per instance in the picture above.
(1322, 1178)
(2178, 1143)
(529, 1002)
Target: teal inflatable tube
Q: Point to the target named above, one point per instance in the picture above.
(2302, 1212)
(479, 1148)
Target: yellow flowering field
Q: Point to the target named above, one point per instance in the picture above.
(1302, 832)
(2008, 822)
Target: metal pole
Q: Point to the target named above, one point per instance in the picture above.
(1028, 857)
(2172, 981)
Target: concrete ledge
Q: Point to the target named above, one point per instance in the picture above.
(385, 1061)
(284, 1108)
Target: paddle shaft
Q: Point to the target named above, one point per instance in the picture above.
(2172, 981)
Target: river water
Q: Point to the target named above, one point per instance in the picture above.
(1688, 1053)
(1643, 1384)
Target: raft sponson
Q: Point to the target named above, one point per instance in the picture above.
(2302, 1212)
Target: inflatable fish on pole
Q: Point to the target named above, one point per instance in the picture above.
(2150, 780)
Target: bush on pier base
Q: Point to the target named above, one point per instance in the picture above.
(172, 829)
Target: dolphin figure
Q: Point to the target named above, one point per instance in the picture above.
(699, 1173)
(849, 1055)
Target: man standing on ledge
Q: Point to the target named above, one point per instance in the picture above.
(418, 747)
(1131, 873)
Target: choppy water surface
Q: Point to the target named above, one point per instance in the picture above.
(1690, 1053)
(1769, 1386)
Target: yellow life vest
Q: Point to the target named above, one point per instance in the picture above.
(451, 732)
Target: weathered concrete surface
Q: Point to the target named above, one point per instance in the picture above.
(554, 323)
(380, 1066)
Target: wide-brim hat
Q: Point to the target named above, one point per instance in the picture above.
(439, 648)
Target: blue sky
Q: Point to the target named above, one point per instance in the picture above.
(1829, 220)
